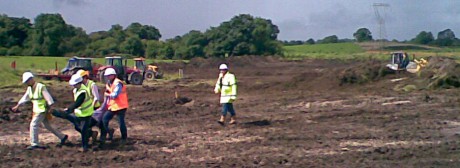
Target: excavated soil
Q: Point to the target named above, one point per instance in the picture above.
(310, 113)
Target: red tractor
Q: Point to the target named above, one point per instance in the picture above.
(129, 75)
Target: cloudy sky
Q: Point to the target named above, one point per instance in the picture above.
(296, 19)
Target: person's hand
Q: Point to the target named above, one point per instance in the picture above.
(216, 91)
(15, 108)
(107, 94)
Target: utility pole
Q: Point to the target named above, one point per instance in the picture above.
(380, 10)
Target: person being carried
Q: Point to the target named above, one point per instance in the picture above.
(41, 102)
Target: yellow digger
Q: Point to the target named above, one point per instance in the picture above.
(400, 61)
(150, 72)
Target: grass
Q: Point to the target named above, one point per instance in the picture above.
(325, 51)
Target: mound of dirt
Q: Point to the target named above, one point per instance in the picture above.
(239, 61)
(364, 72)
(441, 72)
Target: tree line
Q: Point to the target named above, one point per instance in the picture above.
(445, 38)
(50, 35)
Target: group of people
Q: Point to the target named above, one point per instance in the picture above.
(86, 111)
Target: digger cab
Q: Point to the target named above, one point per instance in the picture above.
(399, 61)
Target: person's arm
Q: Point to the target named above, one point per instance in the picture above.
(95, 92)
(234, 87)
(78, 103)
(25, 98)
(116, 91)
(47, 96)
(218, 84)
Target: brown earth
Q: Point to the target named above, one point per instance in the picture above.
(310, 113)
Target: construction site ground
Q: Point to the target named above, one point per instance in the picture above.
(290, 113)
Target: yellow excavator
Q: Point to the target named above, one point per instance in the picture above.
(400, 61)
(150, 72)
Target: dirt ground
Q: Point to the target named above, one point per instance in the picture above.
(290, 114)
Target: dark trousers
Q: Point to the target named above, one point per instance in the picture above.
(228, 107)
(85, 127)
(121, 120)
(74, 120)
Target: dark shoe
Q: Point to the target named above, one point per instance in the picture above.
(64, 139)
(111, 131)
(221, 123)
(123, 142)
(94, 136)
(35, 147)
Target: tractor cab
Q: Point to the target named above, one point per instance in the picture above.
(139, 63)
(117, 64)
(76, 63)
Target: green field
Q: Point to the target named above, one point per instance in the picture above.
(324, 51)
(40, 65)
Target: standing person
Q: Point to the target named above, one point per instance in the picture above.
(41, 101)
(83, 109)
(117, 104)
(226, 86)
(91, 88)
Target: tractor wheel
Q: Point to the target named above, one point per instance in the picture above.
(149, 75)
(136, 79)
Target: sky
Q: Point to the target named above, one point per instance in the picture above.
(296, 19)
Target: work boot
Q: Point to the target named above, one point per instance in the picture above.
(64, 139)
(94, 137)
(222, 120)
(111, 131)
(123, 142)
(232, 120)
(35, 147)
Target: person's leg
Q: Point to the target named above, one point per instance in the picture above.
(36, 120)
(105, 122)
(232, 113)
(70, 117)
(85, 123)
(121, 121)
(50, 128)
(224, 113)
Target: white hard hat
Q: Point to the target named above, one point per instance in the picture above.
(26, 76)
(75, 79)
(223, 66)
(109, 71)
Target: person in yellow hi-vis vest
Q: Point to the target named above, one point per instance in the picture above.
(83, 109)
(91, 87)
(226, 86)
(41, 101)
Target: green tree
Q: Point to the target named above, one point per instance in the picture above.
(310, 41)
(446, 38)
(143, 31)
(133, 46)
(362, 35)
(330, 39)
(13, 31)
(423, 38)
(49, 32)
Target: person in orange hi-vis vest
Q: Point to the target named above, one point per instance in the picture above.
(117, 104)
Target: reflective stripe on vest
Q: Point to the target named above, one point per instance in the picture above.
(121, 102)
(228, 87)
(37, 99)
(86, 108)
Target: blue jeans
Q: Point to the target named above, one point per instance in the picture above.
(121, 120)
(228, 107)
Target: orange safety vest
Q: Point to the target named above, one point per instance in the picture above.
(121, 102)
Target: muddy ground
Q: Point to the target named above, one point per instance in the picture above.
(290, 114)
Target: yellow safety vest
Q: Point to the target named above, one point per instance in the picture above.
(86, 109)
(227, 87)
(36, 97)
